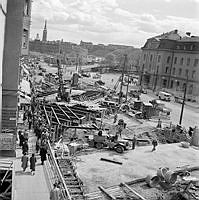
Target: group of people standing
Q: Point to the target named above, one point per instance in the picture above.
(40, 146)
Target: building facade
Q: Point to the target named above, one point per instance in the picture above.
(26, 27)
(171, 62)
(3, 11)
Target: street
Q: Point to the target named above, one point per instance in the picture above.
(190, 115)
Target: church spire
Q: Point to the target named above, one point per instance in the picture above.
(45, 25)
(44, 38)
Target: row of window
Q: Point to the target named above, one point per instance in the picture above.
(196, 60)
(186, 73)
(193, 73)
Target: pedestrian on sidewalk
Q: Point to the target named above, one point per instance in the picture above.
(38, 144)
(155, 144)
(25, 147)
(21, 138)
(26, 135)
(29, 123)
(33, 161)
(43, 152)
(24, 117)
(24, 161)
(55, 192)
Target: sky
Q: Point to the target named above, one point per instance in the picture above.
(128, 22)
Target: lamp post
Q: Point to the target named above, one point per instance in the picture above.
(183, 103)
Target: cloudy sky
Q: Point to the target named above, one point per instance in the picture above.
(128, 22)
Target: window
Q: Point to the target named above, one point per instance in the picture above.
(191, 47)
(186, 72)
(144, 56)
(164, 83)
(167, 70)
(181, 61)
(168, 59)
(175, 60)
(188, 61)
(195, 62)
(180, 72)
(150, 67)
(26, 7)
(174, 70)
(151, 57)
(177, 84)
(193, 74)
(190, 89)
(159, 57)
(171, 86)
(178, 47)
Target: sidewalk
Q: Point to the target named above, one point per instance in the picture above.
(28, 187)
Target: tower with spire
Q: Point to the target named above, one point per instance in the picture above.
(44, 38)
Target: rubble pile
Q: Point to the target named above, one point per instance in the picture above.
(168, 135)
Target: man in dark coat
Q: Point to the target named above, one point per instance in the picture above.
(33, 160)
(155, 144)
(25, 147)
(43, 152)
(21, 139)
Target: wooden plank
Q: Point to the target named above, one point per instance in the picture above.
(133, 191)
(110, 196)
(112, 161)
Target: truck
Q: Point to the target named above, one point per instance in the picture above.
(110, 142)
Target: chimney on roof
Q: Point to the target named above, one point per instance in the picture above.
(175, 31)
(188, 34)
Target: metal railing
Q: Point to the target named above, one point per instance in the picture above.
(55, 174)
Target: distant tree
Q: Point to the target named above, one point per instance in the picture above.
(110, 59)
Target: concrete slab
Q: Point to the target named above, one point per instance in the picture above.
(137, 163)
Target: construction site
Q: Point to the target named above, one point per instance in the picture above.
(86, 127)
(100, 139)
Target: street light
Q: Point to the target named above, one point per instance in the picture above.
(183, 103)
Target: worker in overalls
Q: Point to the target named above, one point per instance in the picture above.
(159, 124)
(134, 142)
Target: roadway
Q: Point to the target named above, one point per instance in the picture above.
(190, 115)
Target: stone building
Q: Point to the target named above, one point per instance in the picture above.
(171, 62)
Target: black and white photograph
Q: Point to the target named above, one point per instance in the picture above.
(99, 99)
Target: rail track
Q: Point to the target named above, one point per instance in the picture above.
(74, 184)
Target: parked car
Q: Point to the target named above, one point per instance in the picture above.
(164, 96)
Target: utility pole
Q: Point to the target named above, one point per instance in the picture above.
(123, 69)
(183, 103)
(156, 79)
(142, 72)
(127, 89)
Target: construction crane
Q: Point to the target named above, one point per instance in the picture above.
(62, 94)
(117, 83)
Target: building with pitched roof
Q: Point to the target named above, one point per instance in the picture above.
(170, 61)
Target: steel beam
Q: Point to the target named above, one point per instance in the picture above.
(55, 115)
